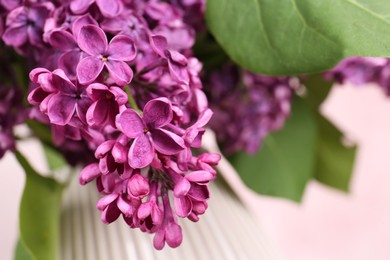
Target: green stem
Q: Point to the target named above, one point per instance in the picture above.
(132, 102)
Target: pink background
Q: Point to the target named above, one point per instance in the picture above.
(328, 224)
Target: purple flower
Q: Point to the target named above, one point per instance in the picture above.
(66, 42)
(138, 186)
(149, 213)
(25, 24)
(179, 35)
(11, 114)
(106, 104)
(110, 8)
(148, 132)
(190, 189)
(58, 96)
(177, 63)
(247, 109)
(357, 70)
(129, 24)
(170, 231)
(100, 54)
(112, 206)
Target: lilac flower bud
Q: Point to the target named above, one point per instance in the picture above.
(169, 232)
(138, 186)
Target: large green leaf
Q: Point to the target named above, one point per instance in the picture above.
(21, 252)
(299, 36)
(39, 213)
(55, 159)
(285, 163)
(334, 161)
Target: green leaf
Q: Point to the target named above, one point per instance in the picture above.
(54, 158)
(334, 161)
(39, 213)
(40, 130)
(283, 37)
(208, 51)
(285, 162)
(22, 253)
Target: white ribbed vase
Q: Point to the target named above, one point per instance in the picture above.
(226, 231)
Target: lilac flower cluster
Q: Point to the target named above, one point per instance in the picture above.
(247, 107)
(11, 114)
(362, 70)
(118, 79)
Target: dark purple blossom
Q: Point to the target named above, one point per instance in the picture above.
(246, 110)
(11, 114)
(24, 24)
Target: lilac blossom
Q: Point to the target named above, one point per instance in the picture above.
(113, 56)
(11, 114)
(362, 70)
(148, 132)
(66, 42)
(261, 104)
(133, 132)
(107, 8)
(25, 24)
(106, 104)
(177, 63)
(60, 98)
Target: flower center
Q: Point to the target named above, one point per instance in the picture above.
(109, 96)
(104, 58)
(146, 130)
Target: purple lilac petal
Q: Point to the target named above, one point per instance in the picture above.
(173, 235)
(157, 113)
(181, 188)
(141, 152)
(120, 72)
(200, 176)
(199, 192)
(159, 44)
(124, 206)
(68, 62)
(138, 186)
(167, 142)
(104, 148)
(89, 69)
(131, 123)
(80, 22)
(61, 109)
(110, 214)
(121, 48)
(110, 8)
(119, 153)
(89, 173)
(62, 40)
(15, 36)
(80, 6)
(183, 206)
(92, 40)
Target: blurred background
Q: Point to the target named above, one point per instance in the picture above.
(328, 224)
